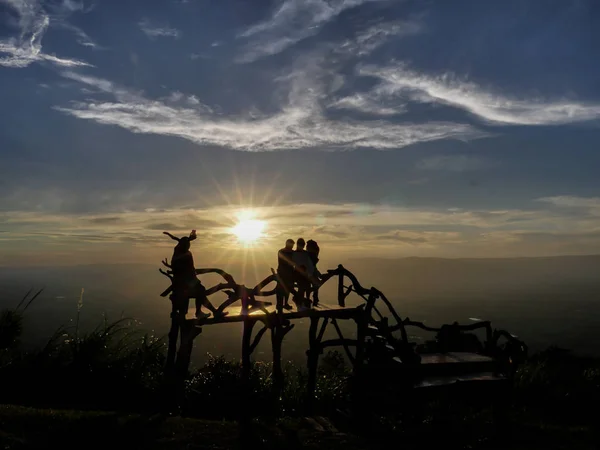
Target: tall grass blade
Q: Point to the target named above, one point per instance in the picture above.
(33, 298)
(79, 306)
(23, 299)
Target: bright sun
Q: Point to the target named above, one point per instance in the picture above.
(248, 229)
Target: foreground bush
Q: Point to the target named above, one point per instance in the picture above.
(116, 367)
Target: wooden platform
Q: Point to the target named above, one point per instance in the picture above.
(471, 378)
(235, 313)
(455, 363)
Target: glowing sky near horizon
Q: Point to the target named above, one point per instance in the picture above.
(376, 127)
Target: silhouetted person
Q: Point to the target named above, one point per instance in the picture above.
(313, 252)
(285, 272)
(303, 273)
(185, 282)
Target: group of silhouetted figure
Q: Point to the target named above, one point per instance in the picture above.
(296, 273)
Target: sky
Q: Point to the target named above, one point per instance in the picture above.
(377, 127)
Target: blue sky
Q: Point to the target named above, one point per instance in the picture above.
(380, 127)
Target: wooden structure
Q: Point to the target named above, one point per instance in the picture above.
(250, 311)
(381, 341)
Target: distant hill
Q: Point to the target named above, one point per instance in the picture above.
(553, 300)
(438, 275)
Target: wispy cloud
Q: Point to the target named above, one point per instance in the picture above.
(291, 22)
(153, 30)
(454, 163)
(385, 229)
(422, 238)
(60, 14)
(398, 81)
(180, 98)
(26, 49)
(569, 201)
(103, 86)
(82, 37)
(375, 36)
(72, 5)
(365, 104)
(299, 124)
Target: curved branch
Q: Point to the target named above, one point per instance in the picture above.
(266, 293)
(257, 290)
(330, 274)
(171, 236)
(166, 274)
(219, 287)
(421, 325)
(286, 329)
(389, 305)
(355, 284)
(485, 324)
(342, 271)
(509, 337)
(226, 276)
(232, 297)
(257, 338)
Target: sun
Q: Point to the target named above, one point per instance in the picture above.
(248, 229)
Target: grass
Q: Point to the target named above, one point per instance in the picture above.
(117, 367)
(106, 387)
(24, 428)
(30, 428)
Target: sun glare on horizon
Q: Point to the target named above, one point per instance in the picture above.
(248, 230)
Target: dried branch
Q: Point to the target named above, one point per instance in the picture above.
(355, 284)
(166, 274)
(257, 338)
(258, 289)
(471, 327)
(171, 236)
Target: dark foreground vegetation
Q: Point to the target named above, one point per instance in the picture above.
(106, 388)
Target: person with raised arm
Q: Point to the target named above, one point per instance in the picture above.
(185, 281)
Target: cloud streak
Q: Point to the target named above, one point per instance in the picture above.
(292, 22)
(570, 201)
(365, 104)
(26, 49)
(153, 30)
(82, 37)
(453, 163)
(397, 82)
(375, 36)
(384, 228)
(299, 124)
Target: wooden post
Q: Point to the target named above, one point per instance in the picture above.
(277, 333)
(189, 331)
(341, 296)
(173, 394)
(173, 335)
(313, 362)
(246, 338)
(361, 332)
(245, 406)
(178, 311)
(358, 378)
(245, 301)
